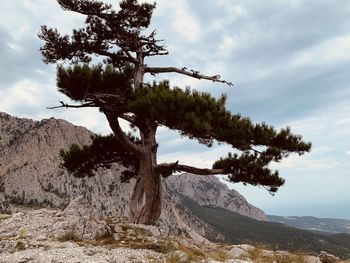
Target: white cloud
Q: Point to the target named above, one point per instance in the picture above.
(25, 93)
(226, 45)
(183, 25)
(307, 163)
(203, 158)
(331, 51)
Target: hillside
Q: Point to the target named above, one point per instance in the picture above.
(240, 229)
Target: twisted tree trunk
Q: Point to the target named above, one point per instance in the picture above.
(146, 200)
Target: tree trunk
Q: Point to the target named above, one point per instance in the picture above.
(146, 199)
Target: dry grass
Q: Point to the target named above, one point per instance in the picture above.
(4, 216)
(289, 258)
(194, 254)
(254, 254)
(173, 258)
(219, 255)
(23, 233)
(69, 236)
(257, 254)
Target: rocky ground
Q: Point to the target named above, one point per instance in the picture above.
(77, 235)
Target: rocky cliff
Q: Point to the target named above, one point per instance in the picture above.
(30, 173)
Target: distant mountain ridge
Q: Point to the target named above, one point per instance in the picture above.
(331, 225)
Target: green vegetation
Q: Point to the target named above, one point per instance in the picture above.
(238, 229)
(343, 239)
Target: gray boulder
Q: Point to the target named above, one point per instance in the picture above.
(328, 258)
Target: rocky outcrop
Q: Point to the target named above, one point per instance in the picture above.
(52, 236)
(209, 191)
(328, 258)
(30, 173)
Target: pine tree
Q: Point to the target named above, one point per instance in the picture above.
(116, 87)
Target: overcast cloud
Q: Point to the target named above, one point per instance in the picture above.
(289, 61)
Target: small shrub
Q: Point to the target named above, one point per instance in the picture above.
(20, 246)
(69, 236)
(108, 237)
(109, 240)
(167, 247)
(23, 233)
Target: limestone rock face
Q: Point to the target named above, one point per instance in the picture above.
(209, 191)
(30, 171)
(30, 174)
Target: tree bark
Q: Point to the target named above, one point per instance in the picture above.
(139, 72)
(146, 199)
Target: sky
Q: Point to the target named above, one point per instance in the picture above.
(289, 62)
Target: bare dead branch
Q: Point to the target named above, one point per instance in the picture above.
(65, 105)
(187, 72)
(172, 167)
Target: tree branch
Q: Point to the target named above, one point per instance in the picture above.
(168, 168)
(185, 71)
(127, 118)
(115, 57)
(65, 105)
(101, 96)
(121, 136)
